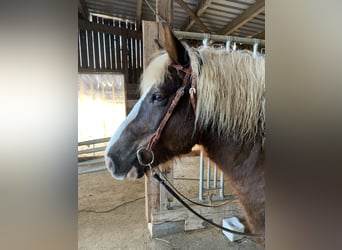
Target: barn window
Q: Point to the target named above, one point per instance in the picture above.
(101, 105)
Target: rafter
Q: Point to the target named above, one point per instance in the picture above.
(202, 6)
(139, 12)
(193, 15)
(164, 10)
(83, 9)
(260, 35)
(248, 14)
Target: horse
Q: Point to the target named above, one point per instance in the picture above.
(211, 97)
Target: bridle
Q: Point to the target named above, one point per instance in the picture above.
(180, 92)
(155, 137)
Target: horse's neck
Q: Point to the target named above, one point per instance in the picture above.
(238, 160)
(243, 165)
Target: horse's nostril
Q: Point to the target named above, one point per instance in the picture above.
(109, 163)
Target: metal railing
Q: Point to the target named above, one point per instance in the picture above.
(91, 160)
(209, 187)
(211, 181)
(95, 153)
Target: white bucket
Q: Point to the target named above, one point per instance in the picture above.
(233, 223)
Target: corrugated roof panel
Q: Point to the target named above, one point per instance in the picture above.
(234, 4)
(211, 13)
(217, 15)
(232, 9)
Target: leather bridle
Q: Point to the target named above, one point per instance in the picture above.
(148, 150)
(180, 92)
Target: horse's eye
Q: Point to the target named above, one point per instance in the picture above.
(157, 97)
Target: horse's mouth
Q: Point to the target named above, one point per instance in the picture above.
(133, 173)
(123, 171)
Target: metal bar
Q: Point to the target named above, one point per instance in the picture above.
(212, 188)
(208, 174)
(200, 193)
(228, 45)
(91, 150)
(86, 163)
(222, 186)
(218, 38)
(215, 175)
(255, 49)
(92, 170)
(94, 141)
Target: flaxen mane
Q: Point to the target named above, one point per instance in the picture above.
(230, 89)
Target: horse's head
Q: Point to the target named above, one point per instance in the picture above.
(160, 83)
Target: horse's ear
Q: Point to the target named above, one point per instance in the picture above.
(174, 47)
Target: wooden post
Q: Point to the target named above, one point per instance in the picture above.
(155, 199)
(152, 188)
(165, 196)
(164, 10)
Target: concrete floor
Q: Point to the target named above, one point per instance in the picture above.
(111, 215)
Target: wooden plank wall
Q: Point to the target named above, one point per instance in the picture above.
(106, 45)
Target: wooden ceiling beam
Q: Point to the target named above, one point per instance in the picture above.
(260, 35)
(82, 8)
(112, 30)
(248, 14)
(193, 15)
(139, 12)
(202, 6)
(164, 11)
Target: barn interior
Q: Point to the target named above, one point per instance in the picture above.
(115, 44)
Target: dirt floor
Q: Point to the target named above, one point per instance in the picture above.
(111, 215)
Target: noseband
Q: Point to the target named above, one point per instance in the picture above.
(180, 92)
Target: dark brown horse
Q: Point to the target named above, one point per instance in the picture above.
(227, 118)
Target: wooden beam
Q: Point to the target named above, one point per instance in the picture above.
(260, 35)
(203, 5)
(247, 15)
(193, 15)
(164, 11)
(152, 187)
(85, 25)
(83, 9)
(139, 12)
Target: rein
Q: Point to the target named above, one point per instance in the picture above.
(155, 137)
(171, 191)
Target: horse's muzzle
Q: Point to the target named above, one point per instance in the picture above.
(120, 174)
(113, 169)
(109, 164)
